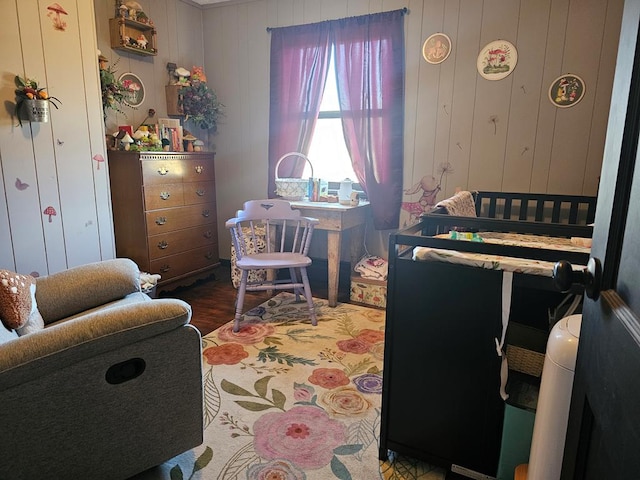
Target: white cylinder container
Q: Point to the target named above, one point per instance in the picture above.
(552, 413)
(344, 193)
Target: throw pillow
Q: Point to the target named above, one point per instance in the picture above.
(18, 301)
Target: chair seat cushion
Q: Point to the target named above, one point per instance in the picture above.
(273, 260)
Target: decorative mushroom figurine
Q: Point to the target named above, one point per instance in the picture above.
(188, 142)
(197, 145)
(183, 75)
(126, 141)
(50, 211)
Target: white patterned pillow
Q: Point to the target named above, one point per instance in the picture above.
(254, 275)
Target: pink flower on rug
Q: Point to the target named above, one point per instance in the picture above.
(226, 354)
(304, 435)
(248, 334)
(302, 392)
(370, 336)
(377, 350)
(345, 401)
(328, 377)
(353, 345)
(275, 470)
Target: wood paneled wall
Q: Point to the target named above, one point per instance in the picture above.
(532, 146)
(52, 164)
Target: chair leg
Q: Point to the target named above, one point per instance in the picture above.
(308, 296)
(294, 280)
(240, 300)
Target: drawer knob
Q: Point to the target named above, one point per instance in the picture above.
(205, 213)
(200, 192)
(207, 234)
(163, 170)
(162, 245)
(165, 195)
(199, 168)
(208, 255)
(164, 268)
(161, 220)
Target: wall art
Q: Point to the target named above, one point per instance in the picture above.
(566, 90)
(497, 60)
(436, 48)
(134, 87)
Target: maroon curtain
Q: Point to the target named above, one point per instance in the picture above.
(370, 71)
(299, 64)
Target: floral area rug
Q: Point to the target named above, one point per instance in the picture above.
(288, 401)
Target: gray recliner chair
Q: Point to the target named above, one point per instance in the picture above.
(110, 387)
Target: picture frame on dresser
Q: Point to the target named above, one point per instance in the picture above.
(164, 213)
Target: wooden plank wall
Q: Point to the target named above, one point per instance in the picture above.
(532, 146)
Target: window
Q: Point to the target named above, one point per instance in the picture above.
(328, 151)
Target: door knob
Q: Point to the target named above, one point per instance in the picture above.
(565, 277)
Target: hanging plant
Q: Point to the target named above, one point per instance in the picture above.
(27, 92)
(199, 102)
(114, 93)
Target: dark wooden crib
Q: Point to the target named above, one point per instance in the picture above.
(441, 400)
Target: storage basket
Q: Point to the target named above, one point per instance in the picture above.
(292, 188)
(525, 361)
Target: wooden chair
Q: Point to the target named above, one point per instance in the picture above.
(288, 236)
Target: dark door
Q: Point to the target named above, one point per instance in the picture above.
(603, 437)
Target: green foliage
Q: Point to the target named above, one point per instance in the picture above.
(200, 104)
(113, 91)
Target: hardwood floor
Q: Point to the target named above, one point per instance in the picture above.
(213, 300)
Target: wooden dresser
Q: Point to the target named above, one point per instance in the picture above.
(164, 213)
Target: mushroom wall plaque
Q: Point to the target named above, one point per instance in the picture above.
(135, 89)
(436, 48)
(566, 90)
(497, 60)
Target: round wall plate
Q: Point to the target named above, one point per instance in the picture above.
(566, 90)
(497, 60)
(135, 89)
(436, 48)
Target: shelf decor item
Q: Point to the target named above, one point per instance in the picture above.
(566, 90)
(131, 30)
(497, 60)
(436, 48)
(114, 93)
(32, 102)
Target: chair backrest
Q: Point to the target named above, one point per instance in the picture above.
(282, 228)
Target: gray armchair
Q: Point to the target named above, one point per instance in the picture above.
(110, 387)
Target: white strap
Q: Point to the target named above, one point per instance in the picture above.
(507, 285)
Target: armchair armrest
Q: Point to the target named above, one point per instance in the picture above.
(81, 288)
(54, 348)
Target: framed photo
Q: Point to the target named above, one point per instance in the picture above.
(135, 89)
(436, 48)
(497, 60)
(566, 90)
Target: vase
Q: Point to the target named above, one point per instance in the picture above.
(37, 110)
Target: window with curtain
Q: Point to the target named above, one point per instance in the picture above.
(369, 72)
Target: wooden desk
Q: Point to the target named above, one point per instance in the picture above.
(335, 219)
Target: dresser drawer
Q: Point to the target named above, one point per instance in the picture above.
(186, 262)
(170, 219)
(200, 192)
(163, 196)
(155, 172)
(171, 243)
(197, 171)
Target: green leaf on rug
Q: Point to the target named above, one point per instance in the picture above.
(261, 385)
(273, 355)
(339, 470)
(346, 327)
(203, 460)
(234, 389)
(176, 473)
(347, 449)
(279, 398)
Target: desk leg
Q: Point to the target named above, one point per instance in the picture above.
(333, 260)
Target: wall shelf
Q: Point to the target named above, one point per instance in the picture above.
(133, 36)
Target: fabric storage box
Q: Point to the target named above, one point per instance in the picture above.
(254, 275)
(365, 291)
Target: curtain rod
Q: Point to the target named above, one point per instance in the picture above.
(405, 11)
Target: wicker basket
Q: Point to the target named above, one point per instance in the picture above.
(292, 188)
(525, 361)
